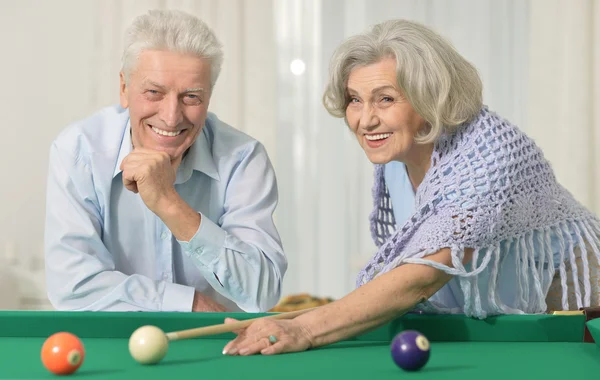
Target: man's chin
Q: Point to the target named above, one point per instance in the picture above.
(174, 149)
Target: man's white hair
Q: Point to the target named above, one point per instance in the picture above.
(175, 31)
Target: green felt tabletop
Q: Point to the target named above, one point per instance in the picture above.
(508, 347)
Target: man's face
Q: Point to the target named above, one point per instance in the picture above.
(167, 95)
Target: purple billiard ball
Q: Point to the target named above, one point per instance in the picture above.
(410, 350)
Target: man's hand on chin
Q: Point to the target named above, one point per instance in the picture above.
(152, 175)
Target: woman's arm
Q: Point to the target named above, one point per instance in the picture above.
(378, 301)
(370, 306)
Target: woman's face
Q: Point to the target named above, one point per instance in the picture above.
(384, 122)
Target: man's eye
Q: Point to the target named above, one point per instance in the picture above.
(192, 99)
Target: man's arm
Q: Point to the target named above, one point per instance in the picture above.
(80, 272)
(241, 257)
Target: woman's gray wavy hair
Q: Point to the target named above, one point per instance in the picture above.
(171, 30)
(441, 85)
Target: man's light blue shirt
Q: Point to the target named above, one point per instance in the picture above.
(105, 250)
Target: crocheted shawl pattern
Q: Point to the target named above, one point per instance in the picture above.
(522, 196)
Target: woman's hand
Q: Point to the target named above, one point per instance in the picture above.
(269, 337)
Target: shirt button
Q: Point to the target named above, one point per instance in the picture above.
(164, 236)
(198, 250)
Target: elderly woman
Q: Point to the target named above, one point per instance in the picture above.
(468, 216)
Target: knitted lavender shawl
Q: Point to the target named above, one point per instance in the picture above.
(522, 196)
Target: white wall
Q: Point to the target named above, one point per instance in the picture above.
(46, 73)
(46, 79)
(59, 61)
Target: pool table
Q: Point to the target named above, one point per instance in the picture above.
(506, 347)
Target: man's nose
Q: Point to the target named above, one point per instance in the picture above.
(171, 111)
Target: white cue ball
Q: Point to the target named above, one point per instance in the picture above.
(148, 345)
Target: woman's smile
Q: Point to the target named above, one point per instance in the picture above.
(376, 140)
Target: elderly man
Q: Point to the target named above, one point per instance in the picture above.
(156, 204)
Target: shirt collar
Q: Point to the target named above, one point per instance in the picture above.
(198, 157)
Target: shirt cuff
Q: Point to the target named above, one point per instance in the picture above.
(178, 297)
(205, 246)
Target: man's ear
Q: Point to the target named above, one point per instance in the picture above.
(123, 90)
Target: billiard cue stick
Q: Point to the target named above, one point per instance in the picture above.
(229, 327)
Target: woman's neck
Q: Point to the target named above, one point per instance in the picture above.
(418, 164)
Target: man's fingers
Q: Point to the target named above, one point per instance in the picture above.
(131, 186)
(132, 171)
(145, 154)
(134, 160)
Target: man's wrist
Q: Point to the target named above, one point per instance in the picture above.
(169, 204)
(182, 220)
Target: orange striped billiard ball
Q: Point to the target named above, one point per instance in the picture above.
(62, 353)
